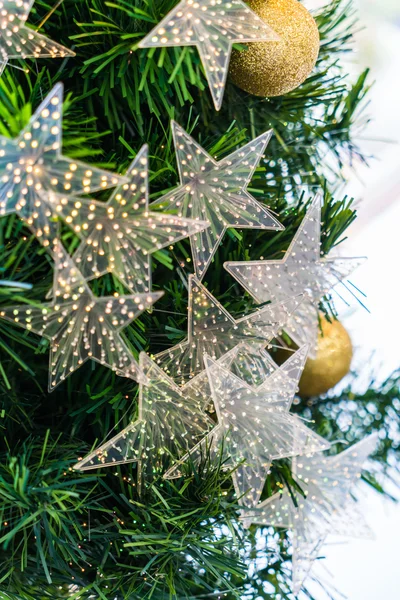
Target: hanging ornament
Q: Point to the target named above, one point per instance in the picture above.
(215, 191)
(274, 69)
(213, 331)
(332, 361)
(19, 41)
(301, 271)
(254, 428)
(81, 326)
(32, 167)
(168, 424)
(120, 235)
(212, 26)
(327, 508)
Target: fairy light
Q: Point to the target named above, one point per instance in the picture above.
(212, 27)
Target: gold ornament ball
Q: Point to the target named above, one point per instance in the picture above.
(275, 68)
(332, 363)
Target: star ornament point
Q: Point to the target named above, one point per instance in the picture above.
(33, 170)
(301, 271)
(120, 235)
(168, 424)
(216, 192)
(328, 507)
(213, 26)
(81, 326)
(254, 428)
(19, 41)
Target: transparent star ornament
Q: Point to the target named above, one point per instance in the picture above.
(254, 428)
(328, 508)
(32, 167)
(255, 366)
(81, 326)
(216, 192)
(120, 235)
(300, 271)
(168, 424)
(19, 41)
(212, 330)
(212, 26)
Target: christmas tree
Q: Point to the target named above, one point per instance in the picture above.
(123, 192)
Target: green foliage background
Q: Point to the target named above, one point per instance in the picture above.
(69, 535)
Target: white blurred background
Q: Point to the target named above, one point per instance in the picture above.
(368, 570)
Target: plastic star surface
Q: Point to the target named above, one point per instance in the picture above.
(212, 330)
(168, 424)
(328, 508)
(32, 166)
(81, 326)
(19, 41)
(120, 235)
(254, 428)
(213, 26)
(215, 191)
(301, 271)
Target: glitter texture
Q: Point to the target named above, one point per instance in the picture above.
(275, 68)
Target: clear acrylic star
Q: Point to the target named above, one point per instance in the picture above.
(301, 271)
(327, 508)
(120, 235)
(212, 330)
(168, 424)
(215, 191)
(252, 363)
(254, 428)
(19, 41)
(212, 26)
(81, 326)
(32, 166)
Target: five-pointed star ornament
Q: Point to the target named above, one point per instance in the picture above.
(215, 191)
(120, 235)
(300, 271)
(328, 507)
(81, 326)
(254, 428)
(212, 330)
(19, 41)
(253, 364)
(168, 424)
(32, 167)
(213, 26)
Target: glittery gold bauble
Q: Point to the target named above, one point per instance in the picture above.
(275, 68)
(332, 363)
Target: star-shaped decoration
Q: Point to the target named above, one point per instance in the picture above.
(120, 235)
(32, 167)
(327, 508)
(81, 326)
(168, 424)
(213, 26)
(213, 331)
(19, 41)
(254, 428)
(300, 271)
(215, 191)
